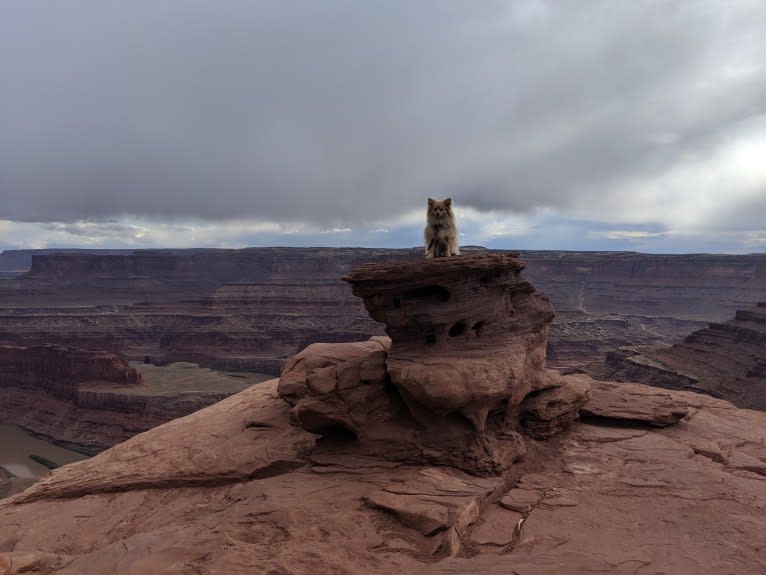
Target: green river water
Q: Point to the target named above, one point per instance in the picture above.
(16, 445)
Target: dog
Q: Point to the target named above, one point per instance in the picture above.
(440, 234)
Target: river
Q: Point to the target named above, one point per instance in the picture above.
(16, 445)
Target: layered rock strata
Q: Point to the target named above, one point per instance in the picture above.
(291, 297)
(90, 397)
(371, 482)
(62, 370)
(468, 334)
(237, 326)
(461, 377)
(725, 360)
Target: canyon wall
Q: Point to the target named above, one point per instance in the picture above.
(62, 370)
(725, 360)
(89, 397)
(705, 287)
(689, 286)
(254, 307)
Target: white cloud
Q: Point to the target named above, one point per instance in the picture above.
(135, 125)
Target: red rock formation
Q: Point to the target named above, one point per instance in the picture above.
(62, 370)
(85, 397)
(468, 334)
(604, 300)
(467, 339)
(690, 286)
(725, 360)
(645, 481)
(198, 271)
(235, 487)
(257, 326)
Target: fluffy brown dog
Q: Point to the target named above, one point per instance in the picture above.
(440, 234)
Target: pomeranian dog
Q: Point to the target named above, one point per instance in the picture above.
(440, 234)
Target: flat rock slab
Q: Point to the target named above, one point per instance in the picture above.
(625, 501)
(425, 516)
(497, 528)
(634, 403)
(186, 452)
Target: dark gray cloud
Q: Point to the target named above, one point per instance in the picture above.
(344, 112)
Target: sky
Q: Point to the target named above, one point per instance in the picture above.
(587, 125)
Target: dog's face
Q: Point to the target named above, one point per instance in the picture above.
(439, 210)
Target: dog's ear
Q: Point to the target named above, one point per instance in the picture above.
(431, 202)
(448, 202)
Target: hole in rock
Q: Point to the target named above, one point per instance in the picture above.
(396, 403)
(478, 327)
(338, 434)
(457, 329)
(498, 416)
(431, 339)
(458, 420)
(428, 293)
(397, 302)
(485, 279)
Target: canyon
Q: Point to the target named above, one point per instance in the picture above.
(449, 447)
(257, 306)
(725, 360)
(249, 310)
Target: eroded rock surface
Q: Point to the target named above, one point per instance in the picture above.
(373, 480)
(62, 370)
(467, 338)
(468, 334)
(726, 360)
(254, 307)
(235, 488)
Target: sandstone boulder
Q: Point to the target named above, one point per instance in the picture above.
(468, 334)
(337, 385)
(459, 380)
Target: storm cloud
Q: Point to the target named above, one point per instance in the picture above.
(346, 114)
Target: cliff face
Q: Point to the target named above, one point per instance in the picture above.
(196, 271)
(238, 326)
(90, 397)
(257, 326)
(579, 340)
(693, 286)
(696, 286)
(725, 360)
(253, 308)
(61, 370)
